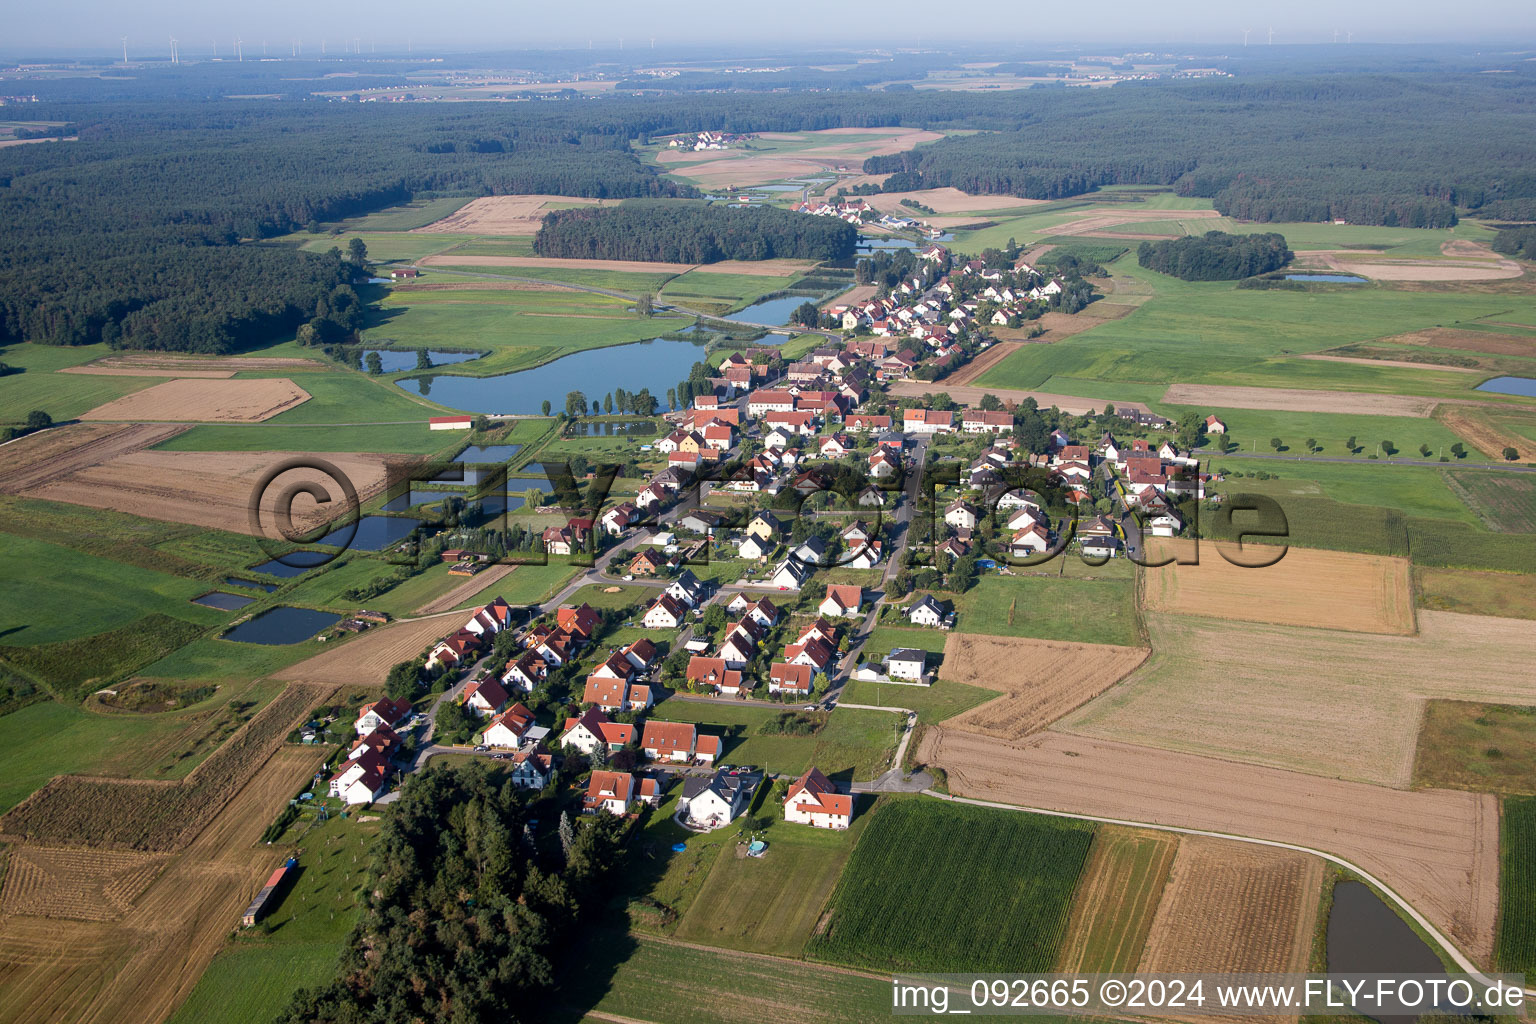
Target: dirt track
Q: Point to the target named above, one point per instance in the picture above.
(1438, 849)
(195, 400)
(1296, 400)
(53, 454)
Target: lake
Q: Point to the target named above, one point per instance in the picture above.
(773, 312)
(374, 533)
(235, 581)
(611, 428)
(294, 563)
(657, 364)
(1365, 936)
(1525, 386)
(282, 625)
(222, 601)
(1331, 278)
(394, 360)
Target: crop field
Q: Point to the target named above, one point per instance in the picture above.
(76, 883)
(501, 215)
(771, 904)
(1307, 587)
(156, 816)
(1505, 501)
(1517, 886)
(982, 890)
(409, 216)
(211, 489)
(1116, 897)
(395, 438)
(206, 401)
(1476, 593)
(50, 454)
(1484, 748)
(853, 744)
(365, 660)
(634, 282)
(1235, 907)
(1060, 676)
(61, 395)
(1094, 605)
(1347, 707)
(54, 970)
(1437, 848)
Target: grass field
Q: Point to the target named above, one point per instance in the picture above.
(383, 246)
(155, 545)
(980, 890)
(1486, 748)
(629, 281)
(1476, 593)
(61, 395)
(1116, 898)
(1088, 605)
(1516, 949)
(298, 943)
(1412, 490)
(770, 904)
(854, 744)
(1505, 501)
(1251, 430)
(342, 398)
(406, 217)
(933, 704)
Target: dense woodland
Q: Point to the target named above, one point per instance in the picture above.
(137, 234)
(692, 233)
(466, 919)
(1215, 255)
(1517, 241)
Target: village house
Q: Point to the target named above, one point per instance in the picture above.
(667, 613)
(593, 729)
(508, 728)
(960, 515)
(385, 711)
(713, 801)
(647, 563)
(619, 518)
(531, 769)
(712, 673)
(813, 800)
(484, 697)
(883, 465)
(616, 695)
(927, 421)
(611, 792)
(678, 742)
(786, 678)
(842, 601)
(978, 421)
(925, 611)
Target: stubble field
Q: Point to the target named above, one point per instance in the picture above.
(503, 215)
(198, 400)
(49, 455)
(1298, 400)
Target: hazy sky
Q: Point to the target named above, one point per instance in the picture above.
(96, 25)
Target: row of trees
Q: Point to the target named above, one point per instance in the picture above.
(1215, 256)
(691, 233)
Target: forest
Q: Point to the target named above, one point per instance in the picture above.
(692, 233)
(1518, 240)
(1215, 255)
(466, 919)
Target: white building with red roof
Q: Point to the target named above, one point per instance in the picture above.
(814, 801)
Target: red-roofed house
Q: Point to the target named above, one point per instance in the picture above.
(712, 672)
(842, 601)
(786, 678)
(485, 697)
(508, 728)
(927, 421)
(814, 801)
(978, 421)
(615, 695)
(581, 620)
(595, 728)
(609, 791)
(385, 711)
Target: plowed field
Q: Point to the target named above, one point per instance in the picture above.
(54, 454)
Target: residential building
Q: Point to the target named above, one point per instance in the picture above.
(842, 601)
(509, 728)
(814, 801)
(611, 792)
(713, 801)
(925, 611)
(593, 729)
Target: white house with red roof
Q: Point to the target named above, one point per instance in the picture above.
(814, 801)
(485, 697)
(385, 711)
(786, 678)
(593, 729)
(678, 742)
(611, 792)
(713, 672)
(616, 695)
(509, 728)
(362, 779)
(525, 672)
(667, 613)
(927, 421)
(842, 601)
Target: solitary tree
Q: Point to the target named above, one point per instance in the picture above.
(567, 833)
(1459, 450)
(546, 407)
(375, 364)
(1276, 443)
(1425, 450)
(1510, 454)
(38, 420)
(423, 359)
(645, 306)
(1311, 444)
(1388, 448)
(1350, 444)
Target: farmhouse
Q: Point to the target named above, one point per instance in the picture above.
(814, 801)
(977, 421)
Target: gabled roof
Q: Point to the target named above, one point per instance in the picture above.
(847, 596)
(581, 620)
(793, 677)
(489, 689)
(671, 605)
(666, 737)
(827, 798)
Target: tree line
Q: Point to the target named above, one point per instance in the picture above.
(1215, 255)
(691, 233)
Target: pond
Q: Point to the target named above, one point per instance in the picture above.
(294, 563)
(773, 312)
(1365, 936)
(1330, 278)
(222, 601)
(868, 245)
(235, 581)
(611, 428)
(419, 496)
(477, 453)
(282, 625)
(657, 364)
(374, 533)
(1525, 386)
(394, 360)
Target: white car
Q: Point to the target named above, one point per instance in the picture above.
(628, 576)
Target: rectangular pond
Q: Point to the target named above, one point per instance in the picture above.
(773, 312)
(655, 365)
(222, 601)
(395, 360)
(235, 581)
(374, 533)
(1524, 386)
(283, 625)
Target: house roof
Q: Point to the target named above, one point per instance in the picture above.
(389, 710)
(610, 786)
(668, 736)
(489, 689)
(581, 620)
(847, 596)
(642, 649)
(671, 605)
(909, 654)
(826, 796)
(794, 677)
(517, 718)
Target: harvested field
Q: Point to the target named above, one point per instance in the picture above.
(1467, 261)
(971, 395)
(1098, 224)
(1335, 704)
(147, 371)
(154, 364)
(1486, 342)
(210, 489)
(502, 215)
(206, 401)
(945, 201)
(1484, 435)
(842, 148)
(758, 268)
(1438, 849)
(1117, 895)
(1297, 400)
(1233, 907)
(138, 970)
(158, 816)
(464, 591)
(366, 660)
(49, 455)
(482, 284)
(1307, 587)
(1402, 363)
(76, 883)
(1060, 677)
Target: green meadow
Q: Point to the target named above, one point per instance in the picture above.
(629, 281)
(1252, 430)
(61, 395)
(1412, 490)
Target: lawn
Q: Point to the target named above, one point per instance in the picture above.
(1411, 490)
(598, 596)
(853, 744)
(1486, 748)
(48, 738)
(771, 904)
(1251, 430)
(54, 593)
(391, 438)
(936, 887)
(1504, 594)
(662, 882)
(299, 942)
(1087, 604)
(933, 703)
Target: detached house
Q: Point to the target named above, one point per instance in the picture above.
(616, 695)
(593, 729)
(711, 802)
(508, 728)
(814, 801)
(678, 741)
(525, 672)
(925, 611)
(667, 613)
(713, 673)
(927, 421)
(362, 779)
(786, 678)
(386, 711)
(485, 697)
(611, 792)
(842, 601)
(978, 421)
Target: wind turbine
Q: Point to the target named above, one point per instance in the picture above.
(1245, 35)
(174, 58)
(125, 49)
(240, 49)
(1271, 37)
